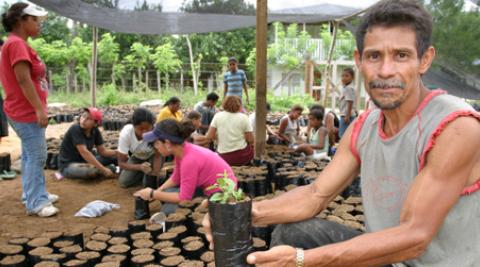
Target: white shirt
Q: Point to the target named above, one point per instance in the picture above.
(231, 129)
(128, 140)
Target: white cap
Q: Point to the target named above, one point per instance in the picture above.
(33, 10)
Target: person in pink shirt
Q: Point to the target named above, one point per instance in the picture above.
(196, 168)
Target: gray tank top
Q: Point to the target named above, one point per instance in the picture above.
(390, 164)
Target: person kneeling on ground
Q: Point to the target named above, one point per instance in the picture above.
(135, 157)
(317, 139)
(76, 159)
(195, 167)
(289, 130)
(234, 133)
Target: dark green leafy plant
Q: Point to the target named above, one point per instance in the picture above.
(228, 193)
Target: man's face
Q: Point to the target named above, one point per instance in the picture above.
(211, 103)
(346, 78)
(86, 121)
(390, 65)
(232, 66)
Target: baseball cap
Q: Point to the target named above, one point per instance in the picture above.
(158, 134)
(95, 113)
(35, 11)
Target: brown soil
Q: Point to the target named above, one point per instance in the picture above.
(101, 230)
(11, 260)
(108, 264)
(39, 242)
(142, 251)
(71, 249)
(72, 263)
(191, 264)
(193, 246)
(259, 243)
(141, 235)
(175, 217)
(154, 227)
(143, 243)
(142, 259)
(152, 265)
(136, 223)
(96, 245)
(10, 249)
(51, 235)
(183, 211)
(172, 261)
(119, 249)
(208, 256)
(100, 237)
(119, 229)
(211, 264)
(62, 244)
(172, 251)
(40, 251)
(178, 229)
(114, 258)
(163, 244)
(53, 257)
(47, 264)
(87, 255)
(190, 239)
(117, 241)
(167, 236)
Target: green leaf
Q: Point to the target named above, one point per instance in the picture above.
(216, 197)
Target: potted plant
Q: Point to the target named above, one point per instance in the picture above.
(231, 219)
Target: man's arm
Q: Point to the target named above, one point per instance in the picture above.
(106, 152)
(225, 89)
(90, 158)
(330, 125)
(281, 129)
(307, 201)
(245, 88)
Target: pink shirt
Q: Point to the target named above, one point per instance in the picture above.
(199, 167)
(16, 105)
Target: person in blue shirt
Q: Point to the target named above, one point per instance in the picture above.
(235, 81)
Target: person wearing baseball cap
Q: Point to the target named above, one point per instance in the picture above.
(23, 76)
(77, 159)
(196, 168)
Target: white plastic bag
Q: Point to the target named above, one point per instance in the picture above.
(96, 209)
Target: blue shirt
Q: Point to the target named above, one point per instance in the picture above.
(234, 82)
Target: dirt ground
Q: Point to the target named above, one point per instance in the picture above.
(73, 194)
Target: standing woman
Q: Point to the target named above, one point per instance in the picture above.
(22, 73)
(196, 168)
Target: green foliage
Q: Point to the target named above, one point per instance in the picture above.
(108, 50)
(228, 193)
(140, 55)
(109, 95)
(166, 59)
(233, 7)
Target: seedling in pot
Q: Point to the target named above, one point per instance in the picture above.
(228, 192)
(231, 219)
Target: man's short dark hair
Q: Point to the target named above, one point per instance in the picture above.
(350, 71)
(232, 59)
(391, 13)
(212, 97)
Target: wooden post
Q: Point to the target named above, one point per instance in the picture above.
(261, 80)
(93, 86)
(328, 68)
(308, 75)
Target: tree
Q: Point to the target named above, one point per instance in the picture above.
(166, 61)
(108, 53)
(139, 58)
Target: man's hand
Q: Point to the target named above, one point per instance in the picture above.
(146, 167)
(42, 119)
(143, 193)
(281, 256)
(347, 119)
(106, 172)
(208, 227)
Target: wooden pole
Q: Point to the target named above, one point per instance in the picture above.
(261, 79)
(329, 64)
(93, 86)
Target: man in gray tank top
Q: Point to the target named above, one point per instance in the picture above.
(418, 157)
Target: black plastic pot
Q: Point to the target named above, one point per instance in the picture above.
(58, 245)
(119, 249)
(175, 219)
(122, 259)
(172, 261)
(193, 250)
(97, 246)
(19, 242)
(47, 264)
(34, 255)
(181, 232)
(142, 209)
(260, 187)
(136, 226)
(71, 251)
(259, 244)
(92, 257)
(142, 260)
(53, 235)
(231, 224)
(76, 263)
(168, 252)
(119, 231)
(151, 181)
(263, 233)
(10, 250)
(117, 241)
(56, 257)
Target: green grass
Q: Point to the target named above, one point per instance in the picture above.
(110, 96)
